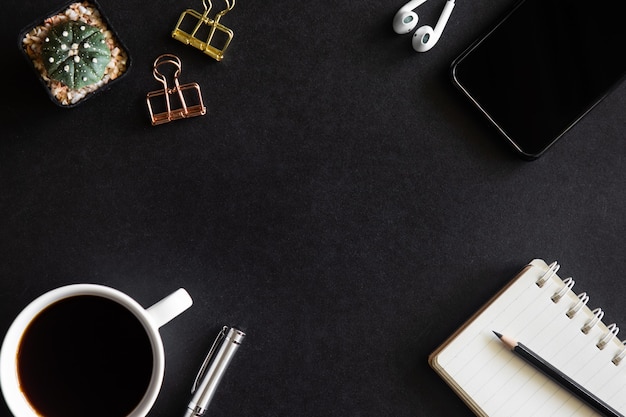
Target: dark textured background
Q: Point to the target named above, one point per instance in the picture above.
(340, 202)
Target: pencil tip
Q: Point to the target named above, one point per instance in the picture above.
(510, 343)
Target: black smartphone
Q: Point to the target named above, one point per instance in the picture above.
(544, 66)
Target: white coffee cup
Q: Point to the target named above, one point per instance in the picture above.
(151, 320)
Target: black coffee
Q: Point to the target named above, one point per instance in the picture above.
(85, 356)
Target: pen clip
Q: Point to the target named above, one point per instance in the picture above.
(221, 336)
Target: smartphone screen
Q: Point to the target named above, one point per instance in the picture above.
(543, 67)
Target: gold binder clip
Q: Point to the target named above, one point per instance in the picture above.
(205, 30)
(179, 110)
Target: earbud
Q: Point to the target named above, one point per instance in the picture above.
(426, 37)
(406, 19)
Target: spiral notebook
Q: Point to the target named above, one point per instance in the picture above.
(542, 310)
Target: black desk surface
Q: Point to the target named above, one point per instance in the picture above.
(340, 202)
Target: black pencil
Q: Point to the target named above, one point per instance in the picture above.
(558, 376)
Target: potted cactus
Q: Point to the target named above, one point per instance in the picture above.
(75, 52)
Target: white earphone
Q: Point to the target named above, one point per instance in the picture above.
(424, 37)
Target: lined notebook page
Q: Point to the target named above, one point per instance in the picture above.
(495, 382)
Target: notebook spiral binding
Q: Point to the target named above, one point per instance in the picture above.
(583, 298)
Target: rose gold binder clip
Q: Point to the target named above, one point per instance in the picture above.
(174, 99)
(206, 33)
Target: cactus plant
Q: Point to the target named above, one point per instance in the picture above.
(75, 54)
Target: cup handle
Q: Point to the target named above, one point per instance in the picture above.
(171, 306)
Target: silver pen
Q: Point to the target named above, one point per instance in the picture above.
(207, 380)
